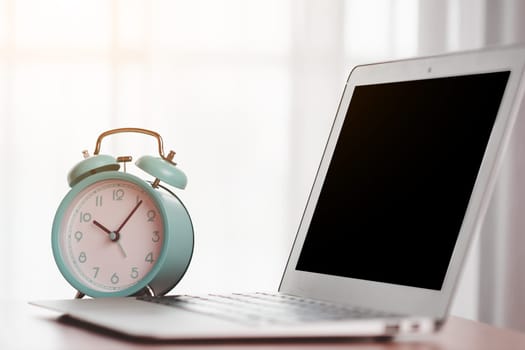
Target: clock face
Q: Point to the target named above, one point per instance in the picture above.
(111, 235)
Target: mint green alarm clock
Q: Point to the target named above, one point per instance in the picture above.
(115, 234)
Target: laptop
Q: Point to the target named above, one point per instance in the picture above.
(403, 185)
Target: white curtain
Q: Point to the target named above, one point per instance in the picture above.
(502, 278)
(243, 91)
(212, 77)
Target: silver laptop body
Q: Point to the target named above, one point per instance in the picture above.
(402, 187)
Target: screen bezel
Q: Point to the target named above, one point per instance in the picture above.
(399, 298)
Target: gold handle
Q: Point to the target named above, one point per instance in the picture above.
(169, 157)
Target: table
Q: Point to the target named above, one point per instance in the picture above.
(23, 326)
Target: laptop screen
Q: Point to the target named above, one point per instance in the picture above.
(400, 179)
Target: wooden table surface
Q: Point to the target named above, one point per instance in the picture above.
(23, 326)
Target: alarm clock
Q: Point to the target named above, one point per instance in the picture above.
(115, 234)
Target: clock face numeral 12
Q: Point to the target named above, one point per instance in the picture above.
(113, 236)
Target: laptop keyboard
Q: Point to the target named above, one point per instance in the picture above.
(265, 308)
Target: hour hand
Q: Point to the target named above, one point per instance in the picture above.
(114, 236)
(102, 227)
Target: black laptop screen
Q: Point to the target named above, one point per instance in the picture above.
(400, 179)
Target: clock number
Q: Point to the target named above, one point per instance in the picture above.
(85, 217)
(82, 258)
(114, 278)
(149, 258)
(151, 215)
(96, 268)
(155, 237)
(78, 236)
(118, 195)
(134, 273)
(98, 201)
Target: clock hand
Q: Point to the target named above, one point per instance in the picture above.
(113, 235)
(122, 249)
(129, 216)
(102, 227)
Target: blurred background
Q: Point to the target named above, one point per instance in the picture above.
(245, 92)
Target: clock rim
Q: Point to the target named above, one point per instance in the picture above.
(58, 255)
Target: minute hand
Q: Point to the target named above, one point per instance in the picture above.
(129, 216)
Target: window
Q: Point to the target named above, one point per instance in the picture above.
(244, 92)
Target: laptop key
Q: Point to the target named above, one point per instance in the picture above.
(265, 308)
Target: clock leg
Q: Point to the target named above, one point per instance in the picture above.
(79, 295)
(149, 291)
